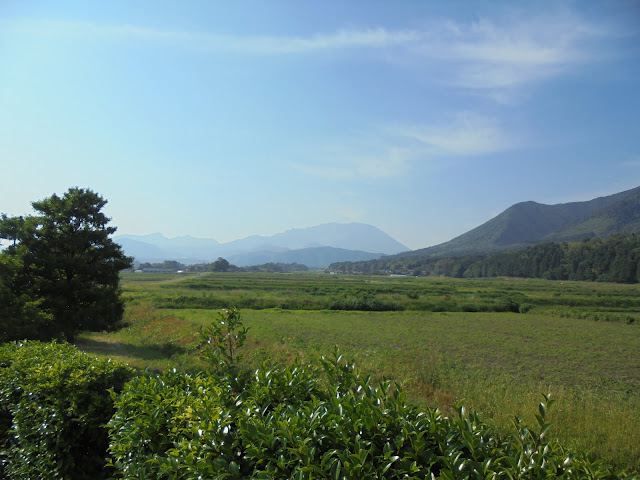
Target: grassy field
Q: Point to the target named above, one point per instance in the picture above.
(445, 340)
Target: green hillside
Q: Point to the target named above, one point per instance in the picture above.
(528, 223)
(622, 216)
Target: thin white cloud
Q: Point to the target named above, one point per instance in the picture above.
(365, 162)
(370, 38)
(390, 151)
(497, 58)
(466, 134)
(493, 58)
(256, 45)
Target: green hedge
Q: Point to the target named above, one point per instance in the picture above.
(364, 303)
(54, 404)
(286, 422)
(301, 421)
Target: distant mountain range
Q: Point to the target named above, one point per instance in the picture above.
(521, 225)
(315, 247)
(528, 223)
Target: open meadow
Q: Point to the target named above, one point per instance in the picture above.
(494, 345)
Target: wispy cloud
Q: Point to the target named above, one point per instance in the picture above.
(532, 41)
(390, 151)
(364, 162)
(489, 57)
(254, 45)
(496, 58)
(464, 134)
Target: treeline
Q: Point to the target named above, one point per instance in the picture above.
(276, 268)
(221, 265)
(168, 265)
(612, 259)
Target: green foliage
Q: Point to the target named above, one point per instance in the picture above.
(54, 404)
(220, 265)
(497, 362)
(253, 291)
(289, 423)
(272, 267)
(21, 316)
(364, 302)
(170, 425)
(63, 261)
(613, 259)
(167, 265)
(221, 340)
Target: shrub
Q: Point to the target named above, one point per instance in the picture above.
(507, 304)
(171, 426)
(288, 423)
(54, 404)
(221, 340)
(366, 303)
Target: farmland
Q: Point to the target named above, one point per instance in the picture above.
(493, 344)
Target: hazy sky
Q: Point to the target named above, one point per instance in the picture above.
(225, 119)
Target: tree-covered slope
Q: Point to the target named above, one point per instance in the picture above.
(528, 223)
(621, 216)
(615, 258)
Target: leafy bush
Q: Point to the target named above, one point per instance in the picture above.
(289, 422)
(171, 425)
(54, 404)
(366, 303)
(221, 340)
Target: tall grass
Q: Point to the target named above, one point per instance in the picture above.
(498, 363)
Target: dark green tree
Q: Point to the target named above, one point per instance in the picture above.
(21, 316)
(220, 265)
(64, 260)
(10, 227)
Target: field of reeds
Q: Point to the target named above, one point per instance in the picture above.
(493, 345)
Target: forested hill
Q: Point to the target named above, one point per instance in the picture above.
(621, 216)
(612, 259)
(528, 223)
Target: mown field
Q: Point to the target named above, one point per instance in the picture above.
(493, 344)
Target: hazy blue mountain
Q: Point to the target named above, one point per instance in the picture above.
(357, 237)
(161, 241)
(528, 223)
(156, 247)
(313, 257)
(349, 236)
(140, 250)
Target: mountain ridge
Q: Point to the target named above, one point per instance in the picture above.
(528, 223)
(334, 241)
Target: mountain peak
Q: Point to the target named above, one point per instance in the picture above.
(360, 238)
(527, 223)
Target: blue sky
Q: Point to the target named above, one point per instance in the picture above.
(226, 119)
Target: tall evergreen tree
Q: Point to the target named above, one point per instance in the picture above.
(67, 263)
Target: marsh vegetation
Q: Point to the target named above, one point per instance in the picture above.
(493, 344)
